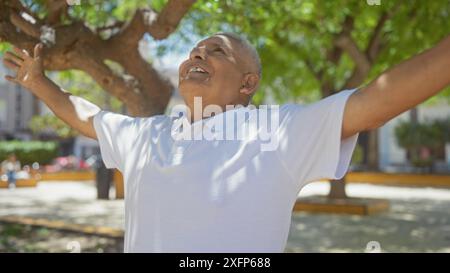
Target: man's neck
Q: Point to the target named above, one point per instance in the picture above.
(201, 114)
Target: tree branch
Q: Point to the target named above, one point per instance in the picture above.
(169, 18)
(346, 43)
(18, 7)
(56, 8)
(153, 86)
(374, 45)
(27, 27)
(317, 74)
(159, 26)
(334, 55)
(141, 88)
(364, 60)
(11, 22)
(116, 85)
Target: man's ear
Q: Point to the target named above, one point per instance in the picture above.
(249, 83)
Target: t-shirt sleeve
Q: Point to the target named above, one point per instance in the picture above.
(310, 144)
(116, 135)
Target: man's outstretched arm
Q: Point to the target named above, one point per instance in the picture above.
(78, 113)
(398, 89)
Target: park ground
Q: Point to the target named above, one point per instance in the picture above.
(418, 220)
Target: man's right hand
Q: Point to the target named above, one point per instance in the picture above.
(29, 69)
(77, 112)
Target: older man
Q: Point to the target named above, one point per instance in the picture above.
(217, 192)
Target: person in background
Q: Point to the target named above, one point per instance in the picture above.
(10, 167)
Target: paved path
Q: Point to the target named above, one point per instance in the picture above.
(74, 202)
(419, 219)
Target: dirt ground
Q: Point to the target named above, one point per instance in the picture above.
(21, 238)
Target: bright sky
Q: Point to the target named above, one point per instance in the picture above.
(177, 50)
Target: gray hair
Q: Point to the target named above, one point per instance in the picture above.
(248, 47)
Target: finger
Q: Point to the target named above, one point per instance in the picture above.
(11, 79)
(20, 52)
(11, 65)
(11, 60)
(12, 57)
(38, 50)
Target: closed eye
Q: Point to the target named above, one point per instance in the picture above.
(219, 49)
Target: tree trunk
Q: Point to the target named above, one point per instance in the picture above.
(414, 115)
(363, 59)
(36, 106)
(414, 152)
(372, 151)
(337, 189)
(137, 84)
(103, 179)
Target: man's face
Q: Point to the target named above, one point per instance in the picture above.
(214, 71)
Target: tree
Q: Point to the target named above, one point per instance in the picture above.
(309, 48)
(312, 48)
(95, 36)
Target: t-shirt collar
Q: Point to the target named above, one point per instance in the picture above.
(226, 116)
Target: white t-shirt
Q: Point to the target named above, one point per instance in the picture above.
(220, 195)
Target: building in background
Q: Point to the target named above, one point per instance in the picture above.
(393, 158)
(17, 107)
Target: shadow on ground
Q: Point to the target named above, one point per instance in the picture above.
(418, 220)
(419, 225)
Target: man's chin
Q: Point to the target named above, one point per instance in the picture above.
(192, 87)
(194, 83)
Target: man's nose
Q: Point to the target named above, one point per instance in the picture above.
(198, 53)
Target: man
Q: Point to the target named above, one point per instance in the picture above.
(185, 193)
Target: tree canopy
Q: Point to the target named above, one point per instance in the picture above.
(311, 45)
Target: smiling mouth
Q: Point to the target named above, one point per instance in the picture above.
(196, 69)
